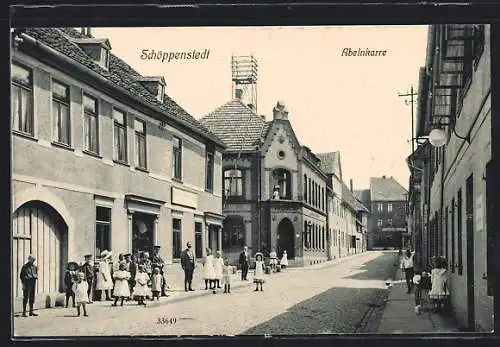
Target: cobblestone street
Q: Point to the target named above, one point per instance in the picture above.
(336, 297)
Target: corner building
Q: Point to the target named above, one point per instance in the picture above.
(102, 158)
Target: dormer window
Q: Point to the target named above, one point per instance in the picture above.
(155, 85)
(97, 49)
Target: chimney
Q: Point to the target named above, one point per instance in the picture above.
(238, 93)
(350, 184)
(86, 31)
(251, 106)
(383, 176)
(263, 116)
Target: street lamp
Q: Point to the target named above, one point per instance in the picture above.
(437, 137)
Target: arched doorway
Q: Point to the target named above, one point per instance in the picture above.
(286, 238)
(39, 230)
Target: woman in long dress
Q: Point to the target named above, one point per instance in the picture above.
(284, 260)
(104, 281)
(208, 270)
(218, 266)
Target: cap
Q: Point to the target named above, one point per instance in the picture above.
(127, 255)
(86, 256)
(156, 246)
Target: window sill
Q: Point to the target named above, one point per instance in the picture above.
(211, 191)
(25, 135)
(121, 163)
(142, 169)
(92, 154)
(62, 145)
(177, 180)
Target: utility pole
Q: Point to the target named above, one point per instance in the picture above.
(411, 94)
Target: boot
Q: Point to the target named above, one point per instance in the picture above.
(121, 304)
(31, 311)
(256, 288)
(78, 311)
(225, 288)
(185, 286)
(190, 288)
(206, 285)
(24, 311)
(229, 288)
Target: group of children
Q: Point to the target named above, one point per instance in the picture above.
(217, 270)
(433, 285)
(77, 288)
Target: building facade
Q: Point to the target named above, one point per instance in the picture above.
(276, 194)
(451, 171)
(102, 158)
(387, 222)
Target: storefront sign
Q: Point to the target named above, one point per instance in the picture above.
(184, 198)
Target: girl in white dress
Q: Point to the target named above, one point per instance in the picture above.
(273, 259)
(284, 260)
(218, 265)
(141, 289)
(121, 289)
(104, 280)
(208, 270)
(259, 271)
(80, 288)
(439, 284)
(226, 276)
(156, 283)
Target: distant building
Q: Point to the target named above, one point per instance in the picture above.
(387, 201)
(102, 158)
(347, 216)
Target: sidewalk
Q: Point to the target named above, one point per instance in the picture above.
(399, 316)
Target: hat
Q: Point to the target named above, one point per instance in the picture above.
(106, 254)
(127, 255)
(86, 256)
(156, 246)
(73, 263)
(257, 254)
(146, 254)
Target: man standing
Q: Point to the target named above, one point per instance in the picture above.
(28, 276)
(88, 271)
(160, 264)
(407, 267)
(188, 263)
(244, 263)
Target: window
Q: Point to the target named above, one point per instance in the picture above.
(198, 243)
(91, 126)
(176, 238)
(322, 199)
(389, 207)
(459, 231)
(160, 94)
(281, 184)
(120, 135)
(310, 192)
(380, 207)
(140, 144)
(389, 222)
(177, 158)
(233, 232)
(380, 222)
(233, 182)
(104, 58)
(60, 113)
(323, 238)
(305, 188)
(209, 170)
(103, 229)
(22, 99)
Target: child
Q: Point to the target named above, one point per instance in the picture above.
(80, 288)
(121, 289)
(439, 282)
(226, 276)
(156, 283)
(284, 260)
(218, 266)
(69, 279)
(141, 289)
(259, 271)
(208, 271)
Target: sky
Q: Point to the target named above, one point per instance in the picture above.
(336, 103)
